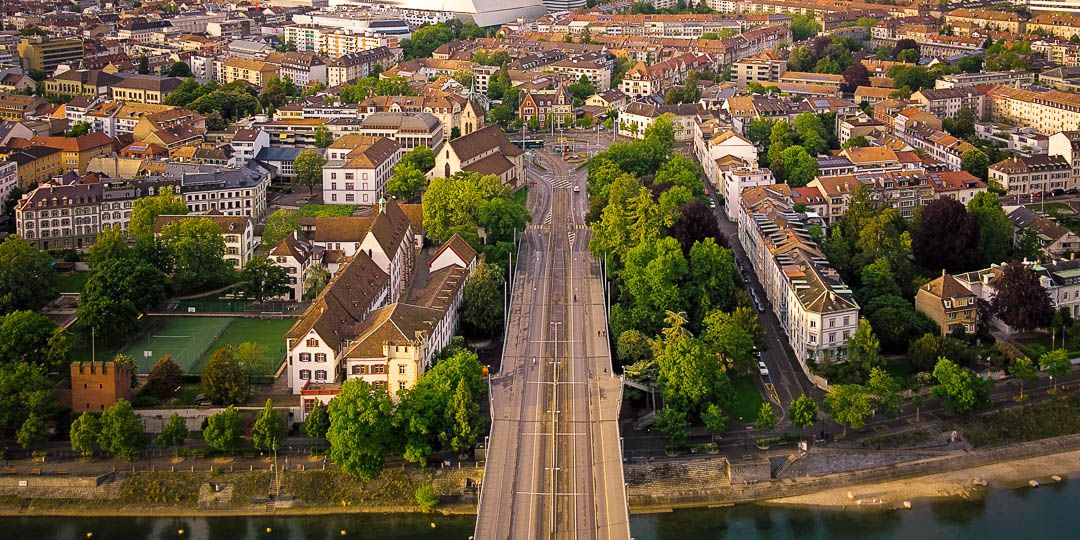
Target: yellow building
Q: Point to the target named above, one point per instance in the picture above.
(145, 89)
(37, 165)
(45, 53)
(986, 18)
(949, 304)
(255, 72)
(76, 152)
(81, 82)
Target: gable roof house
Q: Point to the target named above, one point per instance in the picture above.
(485, 151)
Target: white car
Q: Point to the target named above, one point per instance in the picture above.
(762, 369)
(577, 189)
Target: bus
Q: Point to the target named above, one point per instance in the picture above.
(529, 143)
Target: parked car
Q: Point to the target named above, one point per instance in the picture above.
(763, 369)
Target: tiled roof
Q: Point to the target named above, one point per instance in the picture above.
(483, 140)
(341, 229)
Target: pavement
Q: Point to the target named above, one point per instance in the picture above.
(554, 466)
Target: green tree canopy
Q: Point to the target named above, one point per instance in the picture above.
(27, 279)
(122, 433)
(173, 434)
(118, 291)
(84, 434)
(803, 411)
(361, 430)
(483, 299)
(307, 169)
(959, 388)
(145, 211)
(269, 429)
(225, 380)
(223, 430)
(198, 254)
(262, 279)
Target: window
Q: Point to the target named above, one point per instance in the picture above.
(359, 370)
(813, 338)
(312, 342)
(305, 357)
(847, 320)
(813, 324)
(401, 369)
(378, 370)
(305, 374)
(320, 357)
(320, 375)
(401, 385)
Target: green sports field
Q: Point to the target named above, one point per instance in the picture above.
(191, 340)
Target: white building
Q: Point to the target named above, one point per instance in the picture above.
(362, 175)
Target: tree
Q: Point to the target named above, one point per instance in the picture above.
(582, 89)
(426, 498)
(420, 158)
(961, 390)
(732, 343)
(673, 422)
(886, 392)
(850, 405)
(976, 162)
(27, 279)
(361, 430)
(804, 26)
(315, 282)
(462, 415)
(25, 335)
(223, 430)
(911, 77)
(803, 411)
(323, 137)
(797, 166)
(122, 433)
(903, 45)
(652, 274)
(25, 389)
(863, 349)
(307, 169)
(947, 237)
(1020, 301)
(144, 65)
(995, 229)
(632, 346)
(111, 243)
(483, 300)
(198, 254)
(262, 279)
(856, 142)
(766, 419)
(406, 182)
(855, 75)
(117, 292)
(164, 378)
(1056, 362)
(84, 434)
(178, 69)
(269, 429)
(78, 130)
(224, 380)
(696, 222)
(1024, 371)
(173, 434)
(145, 211)
(465, 201)
(925, 351)
(317, 422)
(711, 279)
(281, 223)
(910, 56)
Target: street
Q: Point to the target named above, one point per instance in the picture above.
(554, 467)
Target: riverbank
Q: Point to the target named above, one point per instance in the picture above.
(968, 483)
(668, 485)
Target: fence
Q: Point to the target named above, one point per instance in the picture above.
(251, 307)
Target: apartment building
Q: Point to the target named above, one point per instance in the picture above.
(758, 69)
(229, 191)
(256, 72)
(937, 144)
(1055, 240)
(1017, 79)
(1059, 24)
(1060, 278)
(1001, 21)
(1047, 112)
(76, 152)
(46, 53)
(351, 66)
(35, 165)
(1042, 173)
(952, 102)
(643, 80)
(57, 217)
(1067, 145)
(302, 67)
(595, 66)
(409, 130)
(905, 191)
(455, 112)
(554, 106)
(238, 232)
(816, 79)
(362, 175)
(19, 107)
(815, 308)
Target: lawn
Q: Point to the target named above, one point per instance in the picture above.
(1035, 347)
(326, 210)
(72, 283)
(269, 333)
(1050, 208)
(747, 400)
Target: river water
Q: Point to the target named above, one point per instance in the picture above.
(1049, 512)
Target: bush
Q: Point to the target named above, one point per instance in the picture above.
(1052, 418)
(426, 498)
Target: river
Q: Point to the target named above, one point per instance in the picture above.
(1049, 512)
